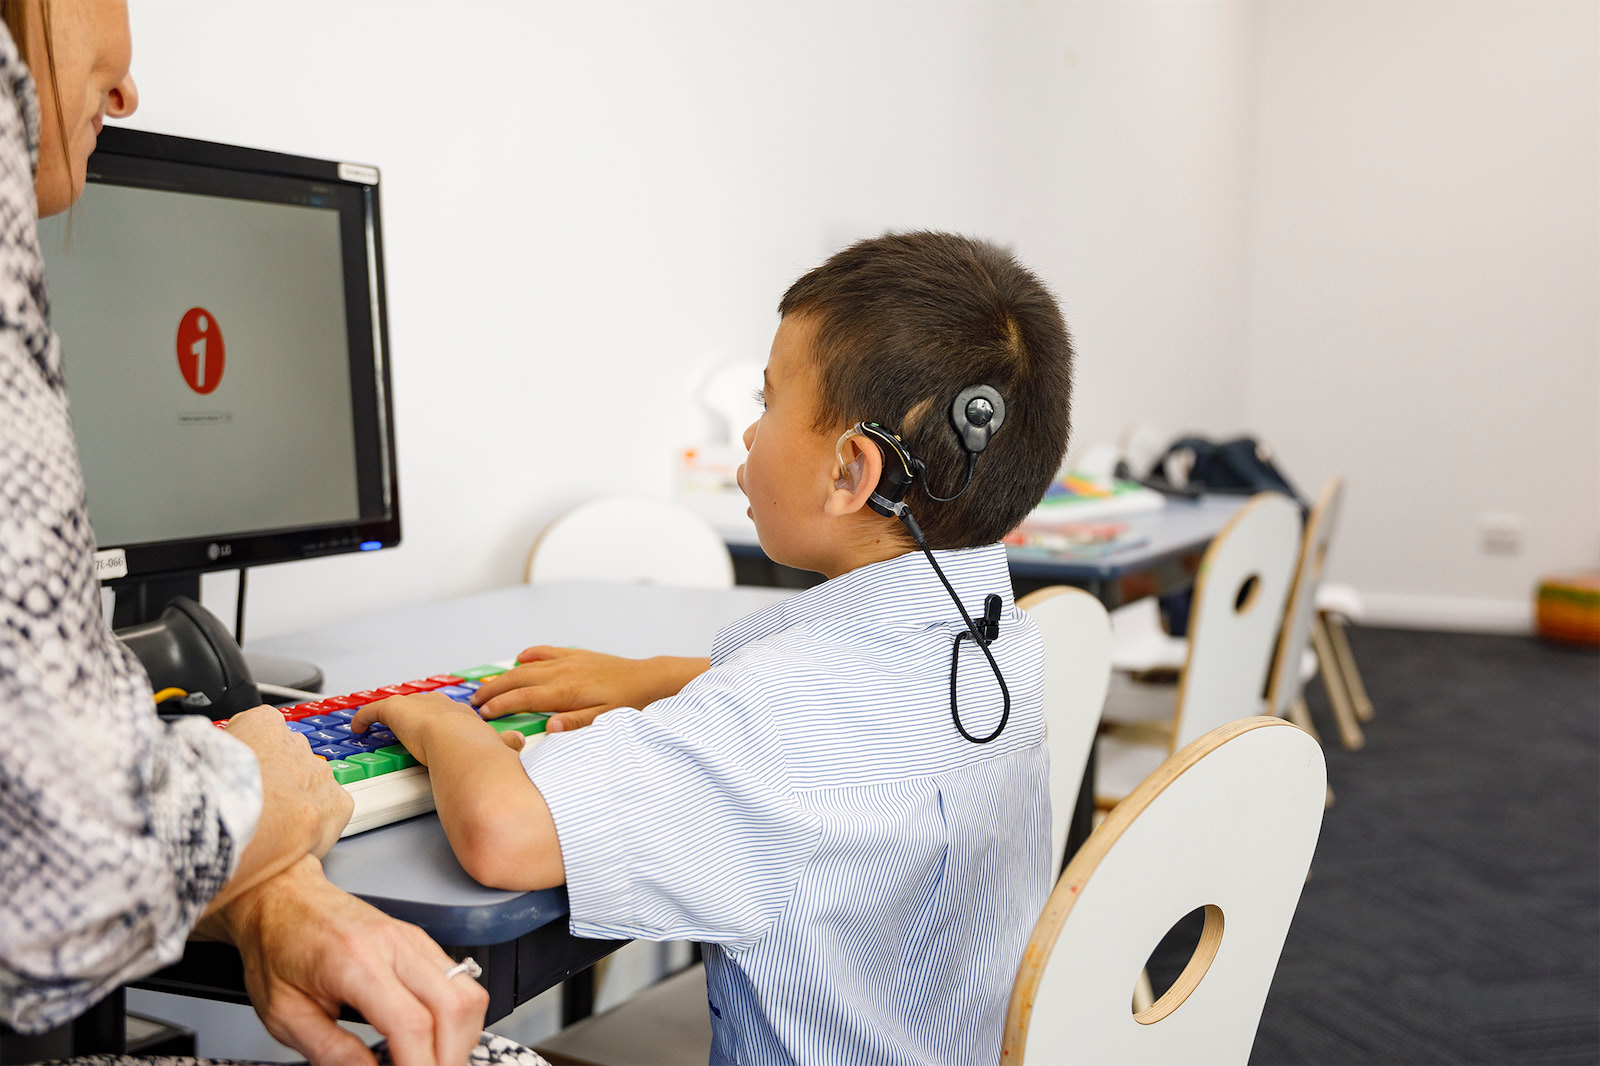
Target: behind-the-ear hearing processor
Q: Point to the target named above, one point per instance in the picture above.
(976, 414)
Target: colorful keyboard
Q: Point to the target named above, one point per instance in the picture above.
(386, 783)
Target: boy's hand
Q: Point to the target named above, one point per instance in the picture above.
(575, 686)
(416, 720)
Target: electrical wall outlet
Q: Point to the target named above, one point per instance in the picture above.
(1501, 533)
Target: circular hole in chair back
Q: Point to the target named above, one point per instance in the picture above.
(1246, 596)
(1180, 961)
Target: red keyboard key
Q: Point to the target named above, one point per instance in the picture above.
(222, 724)
(399, 690)
(427, 684)
(371, 695)
(445, 679)
(295, 713)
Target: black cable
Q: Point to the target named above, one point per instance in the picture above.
(239, 610)
(904, 514)
(972, 464)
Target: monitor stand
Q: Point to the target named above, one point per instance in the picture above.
(138, 602)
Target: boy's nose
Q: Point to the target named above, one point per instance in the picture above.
(750, 434)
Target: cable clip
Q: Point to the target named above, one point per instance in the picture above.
(989, 628)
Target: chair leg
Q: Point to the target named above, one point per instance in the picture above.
(1347, 666)
(1344, 712)
(1144, 995)
(1300, 715)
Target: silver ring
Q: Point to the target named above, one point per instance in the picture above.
(468, 966)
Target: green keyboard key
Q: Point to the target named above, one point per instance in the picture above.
(344, 772)
(527, 724)
(376, 762)
(396, 751)
(478, 673)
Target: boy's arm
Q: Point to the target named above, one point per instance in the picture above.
(498, 824)
(575, 686)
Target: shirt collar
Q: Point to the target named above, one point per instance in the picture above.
(898, 593)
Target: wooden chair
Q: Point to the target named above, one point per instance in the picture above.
(632, 539)
(1077, 669)
(1239, 597)
(1229, 824)
(1337, 606)
(1301, 626)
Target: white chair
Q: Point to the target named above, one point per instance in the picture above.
(1286, 693)
(632, 539)
(1229, 824)
(1239, 596)
(1077, 669)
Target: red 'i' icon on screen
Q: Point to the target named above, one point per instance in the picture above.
(201, 355)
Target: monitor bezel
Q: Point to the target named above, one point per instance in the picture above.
(196, 555)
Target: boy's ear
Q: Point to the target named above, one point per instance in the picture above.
(857, 466)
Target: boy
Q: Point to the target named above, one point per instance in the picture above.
(863, 870)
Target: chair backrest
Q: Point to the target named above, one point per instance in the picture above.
(1077, 670)
(631, 539)
(1228, 824)
(1288, 680)
(1239, 595)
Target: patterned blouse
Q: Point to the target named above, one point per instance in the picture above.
(115, 829)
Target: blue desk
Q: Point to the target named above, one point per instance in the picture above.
(407, 869)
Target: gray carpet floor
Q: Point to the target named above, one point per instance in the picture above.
(1453, 909)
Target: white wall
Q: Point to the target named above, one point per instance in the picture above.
(587, 205)
(1425, 263)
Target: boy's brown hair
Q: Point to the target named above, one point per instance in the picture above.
(906, 321)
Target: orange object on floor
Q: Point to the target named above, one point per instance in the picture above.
(1568, 608)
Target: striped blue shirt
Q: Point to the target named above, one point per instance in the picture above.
(864, 879)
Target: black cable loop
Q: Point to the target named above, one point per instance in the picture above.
(904, 514)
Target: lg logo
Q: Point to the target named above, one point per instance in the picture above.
(201, 355)
(216, 551)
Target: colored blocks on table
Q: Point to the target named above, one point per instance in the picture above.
(527, 724)
(396, 751)
(481, 673)
(375, 762)
(346, 772)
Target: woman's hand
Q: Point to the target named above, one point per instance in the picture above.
(575, 686)
(303, 809)
(310, 948)
(291, 774)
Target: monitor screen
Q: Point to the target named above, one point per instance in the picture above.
(221, 320)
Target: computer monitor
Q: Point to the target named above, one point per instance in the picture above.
(221, 314)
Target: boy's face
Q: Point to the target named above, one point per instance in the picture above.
(789, 472)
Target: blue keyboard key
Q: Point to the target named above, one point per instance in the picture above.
(343, 716)
(322, 736)
(335, 751)
(300, 727)
(456, 692)
(367, 743)
(470, 686)
(320, 721)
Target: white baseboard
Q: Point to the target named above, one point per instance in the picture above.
(1469, 614)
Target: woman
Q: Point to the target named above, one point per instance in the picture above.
(122, 836)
